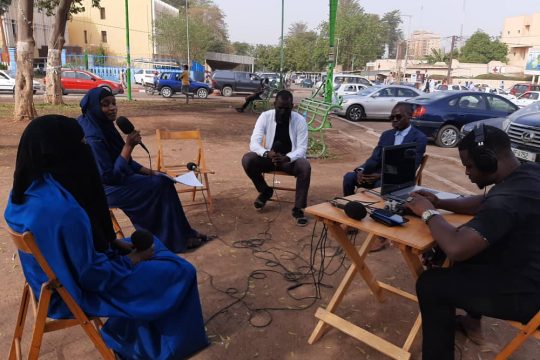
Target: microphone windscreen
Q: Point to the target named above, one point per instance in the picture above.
(355, 210)
(191, 166)
(142, 239)
(125, 125)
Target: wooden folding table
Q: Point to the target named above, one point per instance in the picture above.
(412, 239)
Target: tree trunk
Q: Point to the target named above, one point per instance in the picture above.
(24, 101)
(53, 85)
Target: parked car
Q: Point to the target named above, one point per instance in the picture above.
(524, 133)
(143, 76)
(169, 83)
(272, 77)
(7, 82)
(527, 98)
(307, 83)
(503, 93)
(80, 81)
(453, 87)
(440, 115)
(348, 89)
(230, 82)
(502, 122)
(375, 101)
(522, 88)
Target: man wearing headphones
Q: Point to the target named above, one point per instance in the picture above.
(496, 255)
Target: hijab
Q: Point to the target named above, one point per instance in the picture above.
(54, 144)
(91, 109)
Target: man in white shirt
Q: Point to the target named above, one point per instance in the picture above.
(284, 134)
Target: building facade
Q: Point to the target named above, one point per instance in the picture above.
(103, 30)
(521, 34)
(422, 42)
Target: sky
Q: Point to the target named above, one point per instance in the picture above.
(259, 21)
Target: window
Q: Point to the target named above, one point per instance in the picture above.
(3, 77)
(85, 37)
(388, 92)
(104, 36)
(498, 104)
(102, 13)
(350, 88)
(475, 102)
(406, 93)
(68, 74)
(83, 76)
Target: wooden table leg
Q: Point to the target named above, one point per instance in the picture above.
(412, 260)
(357, 257)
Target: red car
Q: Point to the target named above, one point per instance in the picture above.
(80, 81)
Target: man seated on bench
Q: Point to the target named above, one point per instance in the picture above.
(285, 134)
(262, 94)
(496, 255)
(368, 175)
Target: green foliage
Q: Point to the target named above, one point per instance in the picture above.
(242, 48)
(266, 57)
(502, 77)
(481, 49)
(393, 34)
(207, 31)
(4, 4)
(438, 55)
(49, 6)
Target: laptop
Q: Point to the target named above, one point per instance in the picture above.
(398, 177)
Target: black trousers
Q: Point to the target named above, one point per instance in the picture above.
(250, 99)
(477, 289)
(254, 166)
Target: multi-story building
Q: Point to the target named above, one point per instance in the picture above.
(522, 35)
(421, 43)
(103, 29)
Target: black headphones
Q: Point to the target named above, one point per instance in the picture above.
(485, 159)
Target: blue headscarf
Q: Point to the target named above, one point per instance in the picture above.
(91, 109)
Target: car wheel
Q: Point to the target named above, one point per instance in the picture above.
(356, 113)
(447, 137)
(166, 92)
(226, 91)
(202, 93)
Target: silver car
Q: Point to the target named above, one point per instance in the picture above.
(375, 101)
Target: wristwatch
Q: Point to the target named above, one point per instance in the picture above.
(428, 214)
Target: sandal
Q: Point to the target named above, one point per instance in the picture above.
(299, 216)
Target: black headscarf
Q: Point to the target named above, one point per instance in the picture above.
(91, 109)
(53, 144)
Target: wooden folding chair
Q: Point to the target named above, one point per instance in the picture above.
(525, 331)
(178, 168)
(116, 226)
(42, 324)
(420, 169)
(273, 174)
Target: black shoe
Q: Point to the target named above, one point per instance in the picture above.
(263, 198)
(240, 110)
(299, 216)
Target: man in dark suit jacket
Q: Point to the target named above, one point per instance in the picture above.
(368, 175)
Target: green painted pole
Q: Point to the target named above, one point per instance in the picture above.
(329, 86)
(128, 55)
(281, 61)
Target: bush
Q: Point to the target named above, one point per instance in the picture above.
(502, 77)
(3, 66)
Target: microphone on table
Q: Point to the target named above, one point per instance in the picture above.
(353, 209)
(127, 128)
(142, 240)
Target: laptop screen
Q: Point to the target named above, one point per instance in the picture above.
(398, 167)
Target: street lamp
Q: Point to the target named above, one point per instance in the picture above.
(407, 45)
(281, 59)
(187, 32)
(128, 53)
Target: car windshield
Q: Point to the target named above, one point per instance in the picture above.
(11, 73)
(534, 107)
(367, 91)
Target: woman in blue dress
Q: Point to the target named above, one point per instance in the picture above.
(150, 298)
(149, 200)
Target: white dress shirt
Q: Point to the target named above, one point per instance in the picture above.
(400, 135)
(265, 128)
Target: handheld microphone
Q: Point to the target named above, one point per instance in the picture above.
(127, 128)
(142, 239)
(192, 166)
(353, 209)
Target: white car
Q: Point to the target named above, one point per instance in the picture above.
(527, 98)
(143, 76)
(348, 89)
(7, 82)
(453, 87)
(503, 93)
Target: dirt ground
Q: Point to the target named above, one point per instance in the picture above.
(247, 275)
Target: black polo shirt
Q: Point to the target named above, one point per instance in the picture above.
(509, 220)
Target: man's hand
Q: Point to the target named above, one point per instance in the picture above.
(279, 159)
(418, 204)
(138, 256)
(428, 195)
(134, 138)
(123, 246)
